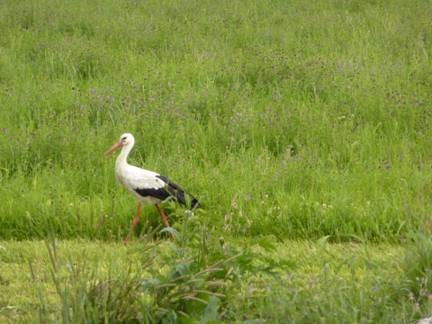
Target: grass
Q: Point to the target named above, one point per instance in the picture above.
(296, 122)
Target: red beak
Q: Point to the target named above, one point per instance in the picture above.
(113, 148)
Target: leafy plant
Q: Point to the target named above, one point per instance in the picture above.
(191, 286)
(417, 274)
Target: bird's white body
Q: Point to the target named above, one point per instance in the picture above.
(133, 178)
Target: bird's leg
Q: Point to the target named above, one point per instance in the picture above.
(133, 224)
(163, 216)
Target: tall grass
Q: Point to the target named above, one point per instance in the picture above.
(417, 280)
(296, 119)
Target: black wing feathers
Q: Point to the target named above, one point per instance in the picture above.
(174, 190)
(177, 192)
(170, 190)
(160, 193)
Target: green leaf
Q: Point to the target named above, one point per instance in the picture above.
(323, 240)
(211, 311)
(170, 230)
(187, 320)
(266, 244)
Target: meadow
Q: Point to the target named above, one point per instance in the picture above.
(303, 128)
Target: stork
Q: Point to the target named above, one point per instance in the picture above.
(147, 186)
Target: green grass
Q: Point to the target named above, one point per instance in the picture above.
(290, 121)
(267, 111)
(310, 281)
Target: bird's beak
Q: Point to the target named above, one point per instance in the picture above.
(113, 148)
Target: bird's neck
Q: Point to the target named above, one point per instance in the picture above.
(122, 158)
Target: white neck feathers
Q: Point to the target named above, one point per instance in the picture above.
(122, 158)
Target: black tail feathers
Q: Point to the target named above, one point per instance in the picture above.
(179, 194)
(185, 199)
(195, 204)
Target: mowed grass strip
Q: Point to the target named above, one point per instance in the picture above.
(343, 278)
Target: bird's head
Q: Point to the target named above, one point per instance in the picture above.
(126, 139)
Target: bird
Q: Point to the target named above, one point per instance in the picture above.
(147, 186)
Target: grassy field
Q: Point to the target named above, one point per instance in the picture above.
(297, 124)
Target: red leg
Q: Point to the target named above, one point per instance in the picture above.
(134, 223)
(163, 216)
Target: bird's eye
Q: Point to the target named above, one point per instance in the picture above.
(124, 138)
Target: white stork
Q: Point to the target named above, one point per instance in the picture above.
(147, 186)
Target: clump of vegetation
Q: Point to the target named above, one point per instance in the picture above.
(127, 296)
(188, 281)
(416, 280)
